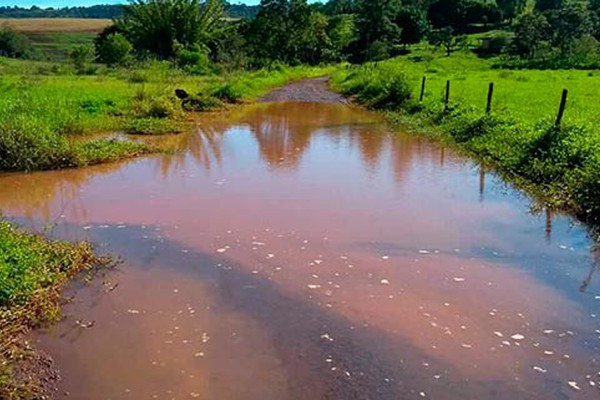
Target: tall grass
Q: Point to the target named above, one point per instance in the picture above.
(519, 137)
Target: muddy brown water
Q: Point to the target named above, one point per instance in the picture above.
(301, 251)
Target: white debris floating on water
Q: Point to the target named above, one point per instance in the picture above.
(573, 385)
(517, 336)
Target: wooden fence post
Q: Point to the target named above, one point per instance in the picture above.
(422, 89)
(447, 96)
(488, 108)
(561, 108)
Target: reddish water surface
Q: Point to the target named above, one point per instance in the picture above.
(301, 251)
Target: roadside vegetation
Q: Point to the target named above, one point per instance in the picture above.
(33, 271)
(519, 136)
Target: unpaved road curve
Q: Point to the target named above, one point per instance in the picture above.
(307, 91)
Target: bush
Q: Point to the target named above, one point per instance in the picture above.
(14, 45)
(194, 61)
(493, 44)
(115, 50)
(583, 53)
(228, 93)
(146, 105)
(80, 55)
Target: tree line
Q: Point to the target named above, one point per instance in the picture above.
(199, 34)
(103, 11)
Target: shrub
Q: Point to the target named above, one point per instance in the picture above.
(14, 45)
(80, 55)
(194, 61)
(115, 50)
(494, 44)
(584, 53)
(228, 93)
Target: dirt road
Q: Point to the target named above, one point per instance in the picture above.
(308, 91)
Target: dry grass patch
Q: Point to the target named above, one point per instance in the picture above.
(56, 25)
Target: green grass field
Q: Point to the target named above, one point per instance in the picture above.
(528, 96)
(57, 46)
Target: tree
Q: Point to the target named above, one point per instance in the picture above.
(268, 32)
(446, 39)
(376, 27)
(413, 23)
(477, 12)
(156, 26)
(115, 50)
(289, 31)
(337, 7)
(547, 5)
(530, 30)
(594, 8)
(342, 32)
(444, 13)
(511, 8)
(570, 22)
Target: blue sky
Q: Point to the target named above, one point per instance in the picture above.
(68, 3)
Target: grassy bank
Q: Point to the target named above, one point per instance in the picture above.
(32, 272)
(47, 112)
(562, 165)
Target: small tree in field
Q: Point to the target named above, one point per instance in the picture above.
(80, 55)
(446, 39)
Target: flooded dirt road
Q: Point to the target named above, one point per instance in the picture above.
(301, 251)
